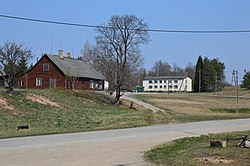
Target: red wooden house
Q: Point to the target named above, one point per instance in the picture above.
(57, 71)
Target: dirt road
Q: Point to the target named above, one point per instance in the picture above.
(104, 148)
(144, 104)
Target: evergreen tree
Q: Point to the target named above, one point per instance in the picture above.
(22, 66)
(246, 81)
(218, 72)
(212, 75)
(198, 73)
(207, 73)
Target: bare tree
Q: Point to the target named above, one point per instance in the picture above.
(117, 52)
(159, 69)
(88, 51)
(10, 54)
(177, 70)
(190, 70)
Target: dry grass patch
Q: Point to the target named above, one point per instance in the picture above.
(214, 160)
(41, 100)
(196, 107)
(5, 104)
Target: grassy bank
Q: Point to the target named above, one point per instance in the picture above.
(196, 151)
(59, 111)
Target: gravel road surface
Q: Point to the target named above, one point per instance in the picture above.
(123, 147)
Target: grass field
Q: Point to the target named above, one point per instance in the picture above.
(196, 151)
(188, 107)
(59, 111)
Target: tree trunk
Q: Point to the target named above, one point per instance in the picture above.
(10, 83)
(117, 96)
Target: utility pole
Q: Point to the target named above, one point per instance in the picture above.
(168, 86)
(215, 83)
(237, 87)
(220, 81)
(51, 46)
(200, 80)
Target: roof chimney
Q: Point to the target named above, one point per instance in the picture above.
(60, 54)
(68, 55)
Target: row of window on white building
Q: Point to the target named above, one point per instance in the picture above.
(163, 87)
(162, 81)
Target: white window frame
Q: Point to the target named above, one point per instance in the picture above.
(22, 83)
(39, 81)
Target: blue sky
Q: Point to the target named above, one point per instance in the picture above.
(232, 49)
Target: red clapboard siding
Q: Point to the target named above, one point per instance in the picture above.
(37, 72)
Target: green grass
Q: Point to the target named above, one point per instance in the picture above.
(240, 110)
(193, 151)
(79, 111)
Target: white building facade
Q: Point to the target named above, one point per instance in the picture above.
(168, 84)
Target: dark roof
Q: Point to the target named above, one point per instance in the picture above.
(165, 77)
(75, 67)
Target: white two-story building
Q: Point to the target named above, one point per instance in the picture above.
(168, 84)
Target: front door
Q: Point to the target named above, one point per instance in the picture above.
(52, 83)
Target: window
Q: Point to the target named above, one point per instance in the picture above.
(165, 86)
(170, 86)
(150, 81)
(45, 67)
(22, 83)
(160, 81)
(91, 84)
(156, 87)
(175, 81)
(160, 87)
(39, 81)
(155, 81)
(176, 87)
(150, 87)
(165, 81)
(96, 85)
(100, 84)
